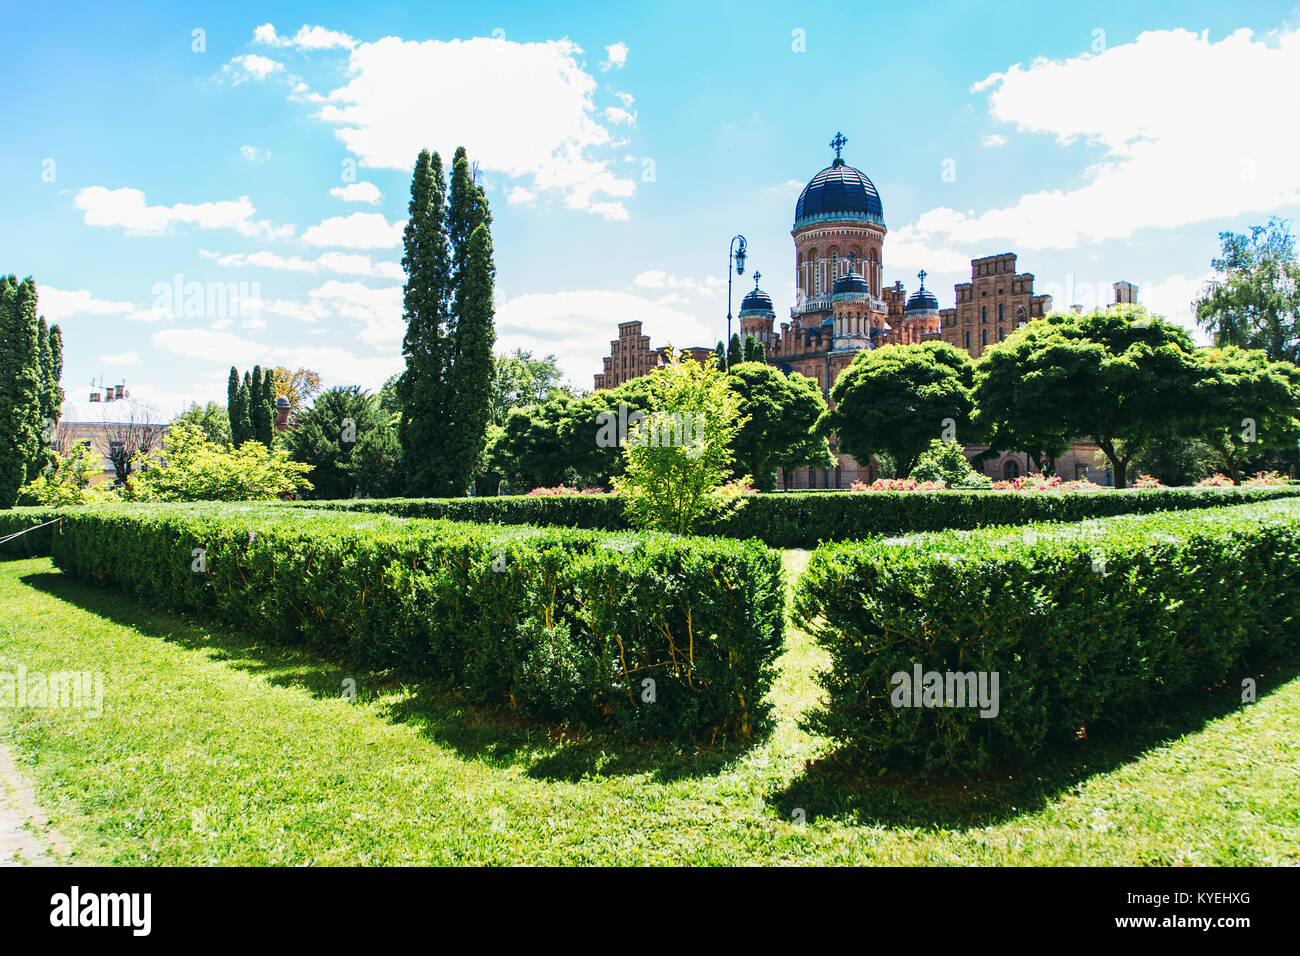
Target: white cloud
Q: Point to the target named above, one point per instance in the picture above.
(994, 140)
(307, 38)
(127, 208)
(1162, 161)
(358, 192)
(532, 113)
(578, 327)
(251, 66)
(615, 57)
(519, 196)
(344, 263)
(337, 366)
(1172, 297)
(361, 230)
(254, 155)
(683, 287)
(618, 116)
(58, 305)
(627, 99)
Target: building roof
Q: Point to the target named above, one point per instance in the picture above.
(923, 300)
(756, 300)
(838, 192)
(123, 411)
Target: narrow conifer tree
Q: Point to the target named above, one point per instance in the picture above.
(426, 296)
(470, 380)
(232, 407)
(20, 386)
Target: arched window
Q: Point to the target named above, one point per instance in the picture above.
(984, 337)
(999, 311)
(1002, 335)
(1011, 470)
(967, 340)
(984, 313)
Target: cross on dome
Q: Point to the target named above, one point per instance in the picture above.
(921, 275)
(757, 275)
(837, 143)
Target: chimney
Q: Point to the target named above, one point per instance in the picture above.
(94, 396)
(118, 391)
(281, 413)
(108, 394)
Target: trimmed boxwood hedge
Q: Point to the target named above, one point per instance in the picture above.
(1087, 626)
(562, 625)
(805, 519)
(36, 541)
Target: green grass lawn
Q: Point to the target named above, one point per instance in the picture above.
(216, 748)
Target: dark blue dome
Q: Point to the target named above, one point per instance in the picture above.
(756, 301)
(839, 192)
(923, 300)
(851, 284)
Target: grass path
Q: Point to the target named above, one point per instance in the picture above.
(215, 748)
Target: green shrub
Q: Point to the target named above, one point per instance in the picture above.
(945, 461)
(804, 519)
(34, 543)
(1087, 625)
(561, 624)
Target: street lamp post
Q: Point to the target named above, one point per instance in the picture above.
(738, 254)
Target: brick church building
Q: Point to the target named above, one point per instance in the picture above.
(843, 306)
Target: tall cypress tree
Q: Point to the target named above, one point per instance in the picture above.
(259, 410)
(20, 386)
(734, 355)
(232, 404)
(268, 402)
(56, 371)
(470, 380)
(246, 408)
(425, 300)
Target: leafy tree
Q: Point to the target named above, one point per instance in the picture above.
(299, 387)
(760, 352)
(426, 259)
(69, 480)
(945, 461)
(376, 463)
(786, 423)
(1175, 461)
(721, 352)
(469, 380)
(20, 388)
(1013, 395)
(521, 380)
(389, 403)
(1255, 303)
(211, 418)
(1248, 405)
(1119, 377)
(678, 461)
(327, 435)
(898, 397)
(747, 349)
(191, 468)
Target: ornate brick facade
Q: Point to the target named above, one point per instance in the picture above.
(842, 307)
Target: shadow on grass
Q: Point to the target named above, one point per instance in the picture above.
(835, 787)
(474, 730)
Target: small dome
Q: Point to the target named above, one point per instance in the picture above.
(850, 284)
(922, 300)
(757, 301)
(282, 402)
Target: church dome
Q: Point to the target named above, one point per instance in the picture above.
(922, 300)
(838, 192)
(850, 284)
(756, 301)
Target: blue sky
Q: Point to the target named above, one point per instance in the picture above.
(621, 146)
